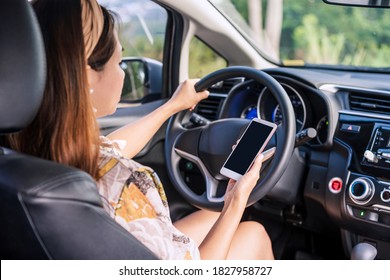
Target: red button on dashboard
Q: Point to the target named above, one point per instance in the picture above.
(335, 185)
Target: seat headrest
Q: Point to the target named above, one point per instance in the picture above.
(22, 65)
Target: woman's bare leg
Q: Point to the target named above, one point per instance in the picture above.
(251, 240)
(197, 224)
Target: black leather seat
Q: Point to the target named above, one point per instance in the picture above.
(47, 210)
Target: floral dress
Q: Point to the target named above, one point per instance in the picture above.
(133, 195)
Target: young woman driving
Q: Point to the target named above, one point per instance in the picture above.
(84, 82)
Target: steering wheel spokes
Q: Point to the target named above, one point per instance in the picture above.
(211, 182)
(209, 146)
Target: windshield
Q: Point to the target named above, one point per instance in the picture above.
(310, 32)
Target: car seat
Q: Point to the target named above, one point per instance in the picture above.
(47, 210)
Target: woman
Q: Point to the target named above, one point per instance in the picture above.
(84, 82)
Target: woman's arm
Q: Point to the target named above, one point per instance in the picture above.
(217, 242)
(137, 134)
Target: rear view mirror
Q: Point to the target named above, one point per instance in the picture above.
(361, 3)
(143, 80)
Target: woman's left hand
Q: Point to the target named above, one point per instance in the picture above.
(185, 96)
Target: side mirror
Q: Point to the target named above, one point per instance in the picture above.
(143, 80)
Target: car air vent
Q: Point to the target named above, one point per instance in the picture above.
(226, 85)
(370, 103)
(210, 107)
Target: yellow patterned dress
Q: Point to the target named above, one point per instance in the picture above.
(134, 196)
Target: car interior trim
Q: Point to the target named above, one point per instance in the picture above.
(335, 88)
(211, 183)
(364, 114)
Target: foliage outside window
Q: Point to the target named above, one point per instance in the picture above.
(203, 60)
(142, 27)
(302, 32)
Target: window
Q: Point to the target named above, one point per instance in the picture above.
(142, 34)
(142, 27)
(203, 59)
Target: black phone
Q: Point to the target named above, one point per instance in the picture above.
(251, 143)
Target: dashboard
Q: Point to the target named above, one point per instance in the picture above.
(250, 100)
(341, 178)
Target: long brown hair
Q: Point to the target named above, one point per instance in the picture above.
(65, 129)
(107, 42)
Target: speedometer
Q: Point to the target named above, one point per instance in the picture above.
(277, 116)
(249, 112)
(322, 129)
(266, 103)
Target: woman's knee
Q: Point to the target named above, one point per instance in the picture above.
(256, 226)
(254, 236)
(257, 230)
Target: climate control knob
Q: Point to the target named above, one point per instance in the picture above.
(361, 190)
(385, 195)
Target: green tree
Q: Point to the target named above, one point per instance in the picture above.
(203, 60)
(327, 34)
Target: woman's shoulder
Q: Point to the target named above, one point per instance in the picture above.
(113, 147)
(111, 155)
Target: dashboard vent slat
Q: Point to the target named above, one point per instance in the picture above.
(210, 107)
(369, 103)
(226, 85)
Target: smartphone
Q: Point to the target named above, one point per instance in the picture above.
(251, 143)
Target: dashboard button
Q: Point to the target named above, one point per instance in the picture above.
(385, 195)
(359, 213)
(335, 185)
(350, 128)
(372, 216)
(386, 155)
(365, 215)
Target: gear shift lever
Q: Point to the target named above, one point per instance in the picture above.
(363, 251)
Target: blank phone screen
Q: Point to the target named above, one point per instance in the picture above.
(248, 147)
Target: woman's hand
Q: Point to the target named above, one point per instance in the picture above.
(217, 242)
(185, 96)
(237, 192)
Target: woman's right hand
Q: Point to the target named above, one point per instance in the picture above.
(185, 96)
(237, 192)
(217, 242)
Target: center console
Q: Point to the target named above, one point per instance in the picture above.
(364, 200)
(377, 153)
(369, 197)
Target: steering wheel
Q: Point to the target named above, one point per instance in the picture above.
(209, 146)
